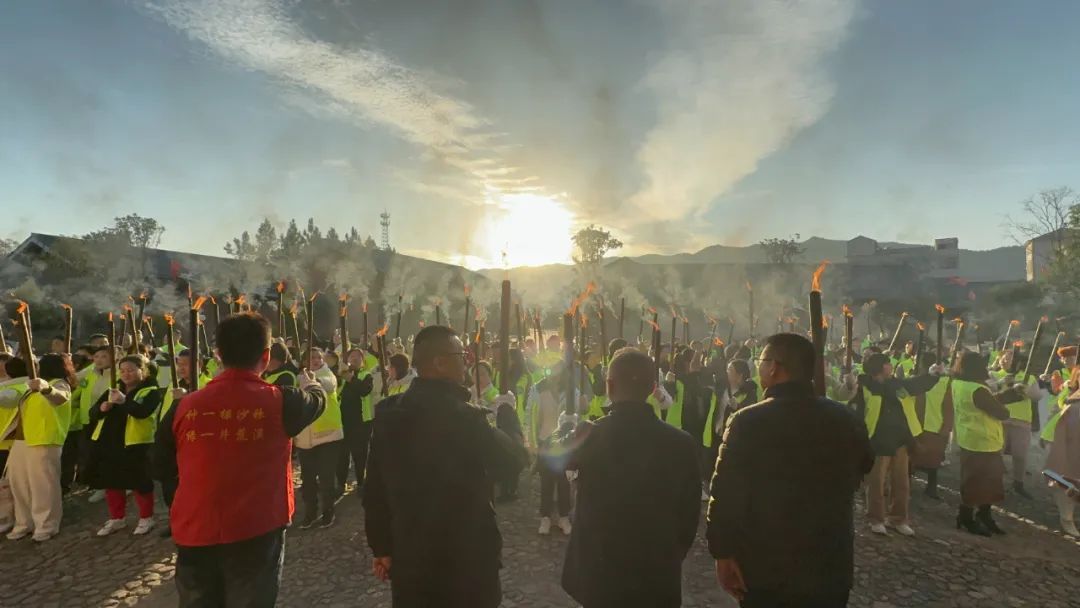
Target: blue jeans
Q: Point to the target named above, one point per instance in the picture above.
(246, 574)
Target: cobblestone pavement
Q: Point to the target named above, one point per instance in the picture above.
(1034, 565)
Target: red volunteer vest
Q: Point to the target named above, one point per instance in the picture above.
(233, 457)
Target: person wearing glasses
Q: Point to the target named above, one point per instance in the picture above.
(428, 508)
(780, 521)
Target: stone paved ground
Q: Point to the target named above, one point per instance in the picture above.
(1032, 566)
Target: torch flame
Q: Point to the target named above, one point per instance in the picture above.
(920, 326)
(344, 297)
(468, 290)
(654, 324)
(940, 308)
(23, 307)
(110, 317)
(144, 295)
(197, 304)
(127, 308)
(958, 320)
(241, 300)
(825, 322)
(846, 311)
(1014, 322)
(382, 332)
(212, 300)
(1018, 344)
(581, 298)
(169, 320)
(718, 342)
(313, 296)
(1044, 319)
(65, 306)
(280, 287)
(815, 283)
(422, 324)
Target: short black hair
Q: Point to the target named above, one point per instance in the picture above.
(400, 363)
(98, 337)
(184, 353)
(794, 353)
(875, 363)
(15, 367)
(633, 373)
(278, 352)
(741, 367)
(242, 339)
(94, 351)
(430, 342)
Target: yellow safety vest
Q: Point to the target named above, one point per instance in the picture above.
(330, 419)
(710, 420)
(137, 431)
(90, 388)
(42, 422)
(7, 414)
(976, 431)
(272, 378)
(674, 413)
(934, 418)
(872, 412)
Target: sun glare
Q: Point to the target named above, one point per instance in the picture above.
(531, 229)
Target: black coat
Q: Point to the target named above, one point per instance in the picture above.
(112, 465)
(783, 492)
(639, 500)
(427, 496)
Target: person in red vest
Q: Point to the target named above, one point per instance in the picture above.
(230, 444)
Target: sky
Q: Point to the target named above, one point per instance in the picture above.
(487, 127)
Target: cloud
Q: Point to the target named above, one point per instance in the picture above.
(738, 80)
(364, 85)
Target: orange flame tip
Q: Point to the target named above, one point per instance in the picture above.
(920, 326)
(313, 296)
(815, 283)
(654, 324)
(940, 308)
(382, 332)
(169, 320)
(23, 307)
(1018, 344)
(197, 304)
(1044, 319)
(65, 306)
(280, 287)
(110, 317)
(468, 290)
(1014, 322)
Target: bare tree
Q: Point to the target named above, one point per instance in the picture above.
(1044, 214)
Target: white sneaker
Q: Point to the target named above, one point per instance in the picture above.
(904, 529)
(1069, 528)
(545, 526)
(144, 526)
(18, 534)
(112, 526)
(96, 496)
(564, 525)
(879, 529)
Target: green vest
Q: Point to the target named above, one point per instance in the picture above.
(596, 405)
(137, 431)
(674, 413)
(7, 414)
(272, 377)
(934, 418)
(330, 419)
(975, 430)
(907, 364)
(44, 423)
(655, 405)
(90, 388)
(872, 412)
(710, 420)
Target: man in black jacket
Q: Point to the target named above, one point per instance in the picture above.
(780, 521)
(638, 498)
(427, 499)
(356, 416)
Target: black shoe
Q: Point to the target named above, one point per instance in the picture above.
(308, 522)
(965, 520)
(984, 518)
(1018, 487)
(326, 520)
(166, 532)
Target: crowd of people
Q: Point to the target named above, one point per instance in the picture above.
(616, 433)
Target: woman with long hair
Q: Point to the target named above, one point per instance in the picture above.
(40, 428)
(123, 431)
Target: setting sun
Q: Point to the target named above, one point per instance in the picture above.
(531, 229)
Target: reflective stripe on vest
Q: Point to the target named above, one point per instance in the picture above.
(934, 418)
(137, 431)
(44, 423)
(975, 430)
(707, 434)
(872, 412)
